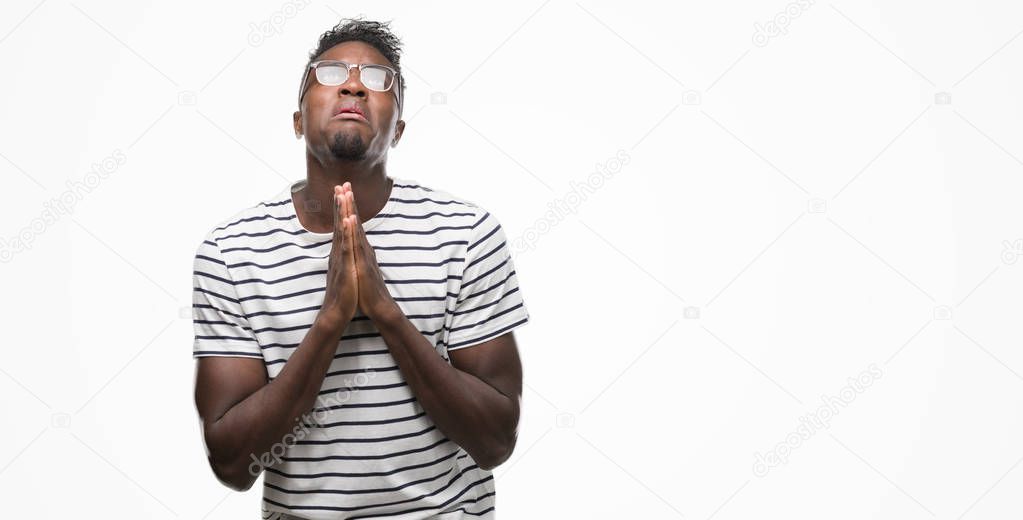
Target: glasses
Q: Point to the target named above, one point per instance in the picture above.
(332, 73)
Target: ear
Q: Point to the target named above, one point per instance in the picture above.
(297, 122)
(399, 128)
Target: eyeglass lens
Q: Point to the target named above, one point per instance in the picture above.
(374, 78)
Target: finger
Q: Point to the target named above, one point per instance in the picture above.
(337, 219)
(350, 240)
(356, 233)
(336, 239)
(359, 233)
(351, 201)
(337, 205)
(343, 203)
(346, 243)
(350, 229)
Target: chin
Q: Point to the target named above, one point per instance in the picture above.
(348, 146)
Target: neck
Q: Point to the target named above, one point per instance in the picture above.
(369, 181)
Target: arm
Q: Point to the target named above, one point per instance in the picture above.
(474, 400)
(243, 416)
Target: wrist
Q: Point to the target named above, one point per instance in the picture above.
(386, 312)
(332, 324)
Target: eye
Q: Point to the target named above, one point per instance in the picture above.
(331, 75)
(377, 78)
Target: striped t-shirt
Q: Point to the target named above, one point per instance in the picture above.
(367, 449)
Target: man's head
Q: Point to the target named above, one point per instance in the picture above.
(321, 116)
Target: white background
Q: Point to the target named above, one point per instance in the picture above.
(845, 195)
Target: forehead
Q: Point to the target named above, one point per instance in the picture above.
(355, 52)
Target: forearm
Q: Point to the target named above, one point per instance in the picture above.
(470, 412)
(253, 426)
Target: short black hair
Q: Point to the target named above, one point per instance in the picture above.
(376, 34)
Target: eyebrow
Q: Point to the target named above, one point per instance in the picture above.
(355, 62)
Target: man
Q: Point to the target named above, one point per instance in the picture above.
(353, 334)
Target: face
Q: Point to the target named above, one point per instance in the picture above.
(344, 137)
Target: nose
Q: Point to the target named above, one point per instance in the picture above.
(353, 85)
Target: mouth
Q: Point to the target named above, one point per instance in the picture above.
(350, 111)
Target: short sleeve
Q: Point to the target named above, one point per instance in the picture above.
(220, 325)
(489, 301)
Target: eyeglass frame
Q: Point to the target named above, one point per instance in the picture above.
(395, 85)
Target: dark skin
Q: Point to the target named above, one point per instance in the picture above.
(474, 400)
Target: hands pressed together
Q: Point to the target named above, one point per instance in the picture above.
(354, 280)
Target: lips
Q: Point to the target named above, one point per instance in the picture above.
(350, 111)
